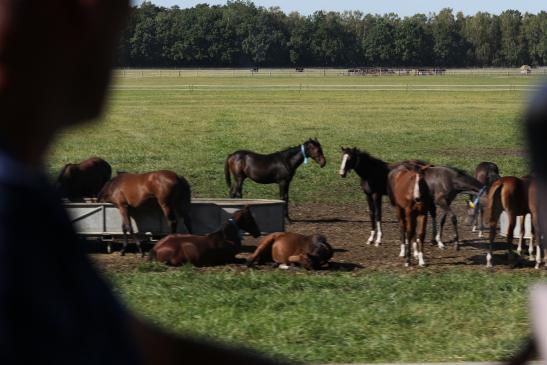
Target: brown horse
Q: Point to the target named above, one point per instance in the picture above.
(409, 194)
(512, 195)
(278, 167)
(288, 248)
(215, 248)
(84, 179)
(171, 191)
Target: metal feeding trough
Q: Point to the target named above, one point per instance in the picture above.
(504, 226)
(103, 219)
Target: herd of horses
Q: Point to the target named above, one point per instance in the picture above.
(416, 189)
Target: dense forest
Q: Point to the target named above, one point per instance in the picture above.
(240, 34)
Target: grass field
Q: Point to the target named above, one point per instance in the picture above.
(189, 124)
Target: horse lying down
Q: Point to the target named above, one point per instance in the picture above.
(215, 248)
(290, 249)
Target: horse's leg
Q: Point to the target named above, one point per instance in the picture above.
(493, 213)
(238, 188)
(170, 216)
(378, 208)
(454, 220)
(481, 221)
(521, 234)
(433, 213)
(372, 215)
(441, 227)
(284, 195)
(402, 228)
(510, 232)
(126, 227)
(262, 246)
(410, 224)
(420, 234)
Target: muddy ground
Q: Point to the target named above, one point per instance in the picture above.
(347, 228)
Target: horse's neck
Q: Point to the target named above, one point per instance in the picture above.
(369, 166)
(227, 233)
(293, 157)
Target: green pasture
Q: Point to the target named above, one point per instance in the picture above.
(190, 124)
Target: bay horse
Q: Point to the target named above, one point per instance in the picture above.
(215, 248)
(84, 179)
(278, 167)
(287, 248)
(485, 173)
(373, 173)
(514, 196)
(172, 193)
(409, 194)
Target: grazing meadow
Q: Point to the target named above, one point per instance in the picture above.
(190, 123)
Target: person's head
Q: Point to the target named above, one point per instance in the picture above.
(55, 61)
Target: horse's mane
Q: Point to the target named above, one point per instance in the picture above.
(368, 156)
(459, 171)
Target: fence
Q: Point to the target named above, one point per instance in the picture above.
(323, 72)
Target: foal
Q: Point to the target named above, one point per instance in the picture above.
(172, 192)
(512, 195)
(485, 173)
(288, 248)
(409, 194)
(215, 248)
(278, 167)
(84, 179)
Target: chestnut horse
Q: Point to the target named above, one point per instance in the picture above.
(84, 179)
(215, 248)
(171, 191)
(514, 196)
(278, 167)
(409, 194)
(288, 248)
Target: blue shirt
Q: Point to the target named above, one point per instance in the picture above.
(54, 306)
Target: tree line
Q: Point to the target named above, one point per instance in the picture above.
(240, 34)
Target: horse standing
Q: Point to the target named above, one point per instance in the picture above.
(278, 167)
(172, 193)
(408, 193)
(84, 179)
(485, 173)
(215, 248)
(288, 248)
(512, 195)
(373, 173)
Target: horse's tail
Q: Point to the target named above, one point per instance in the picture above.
(494, 205)
(227, 172)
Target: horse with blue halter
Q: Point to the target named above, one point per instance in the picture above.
(275, 168)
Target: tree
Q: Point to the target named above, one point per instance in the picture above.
(414, 41)
(512, 42)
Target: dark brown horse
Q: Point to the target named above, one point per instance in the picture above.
(485, 173)
(373, 173)
(84, 179)
(512, 195)
(275, 168)
(288, 248)
(409, 194)
(215, 248)
(172, 193)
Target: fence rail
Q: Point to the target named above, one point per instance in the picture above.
(324, 72)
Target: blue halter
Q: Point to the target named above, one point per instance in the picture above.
(477, 199)
(303, 151)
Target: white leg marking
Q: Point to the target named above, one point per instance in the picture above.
(519, 247)
(421, 261)
(488, 259)
(371, 238)
(439, 242)
(531, 249)
(538, 256)
(481, 234)
(474, 229)
(343, 165)
(417, 188)
(402, 254)
(283, 266)
(415, 248)
(379, 234)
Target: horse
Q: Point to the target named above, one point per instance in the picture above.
(172, 193)
(84, 179)
(373, 173)
(215, 248)
(512, 195)
(409, 194)
(288, 248)
(278, 167)
(485, 173)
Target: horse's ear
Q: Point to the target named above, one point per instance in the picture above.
(246, 208)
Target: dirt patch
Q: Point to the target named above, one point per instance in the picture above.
(347, 228)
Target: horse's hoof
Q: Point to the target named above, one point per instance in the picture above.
(407, 264)
(457, 246)
(283, 267)
(489, 266)
(421, 264)
(536, 266)
(122, 253)
(377, 244)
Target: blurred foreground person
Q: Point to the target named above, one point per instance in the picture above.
(536, 128)
(55, 60)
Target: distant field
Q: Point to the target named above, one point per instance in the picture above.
(189, 124)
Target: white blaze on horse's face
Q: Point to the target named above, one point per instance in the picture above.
(417, 188)
(342, 171)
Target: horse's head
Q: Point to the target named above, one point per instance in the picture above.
(322, 251)
(245, 221)
(420, 188)
(106, 192)
(313, 149)
(350, 159)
